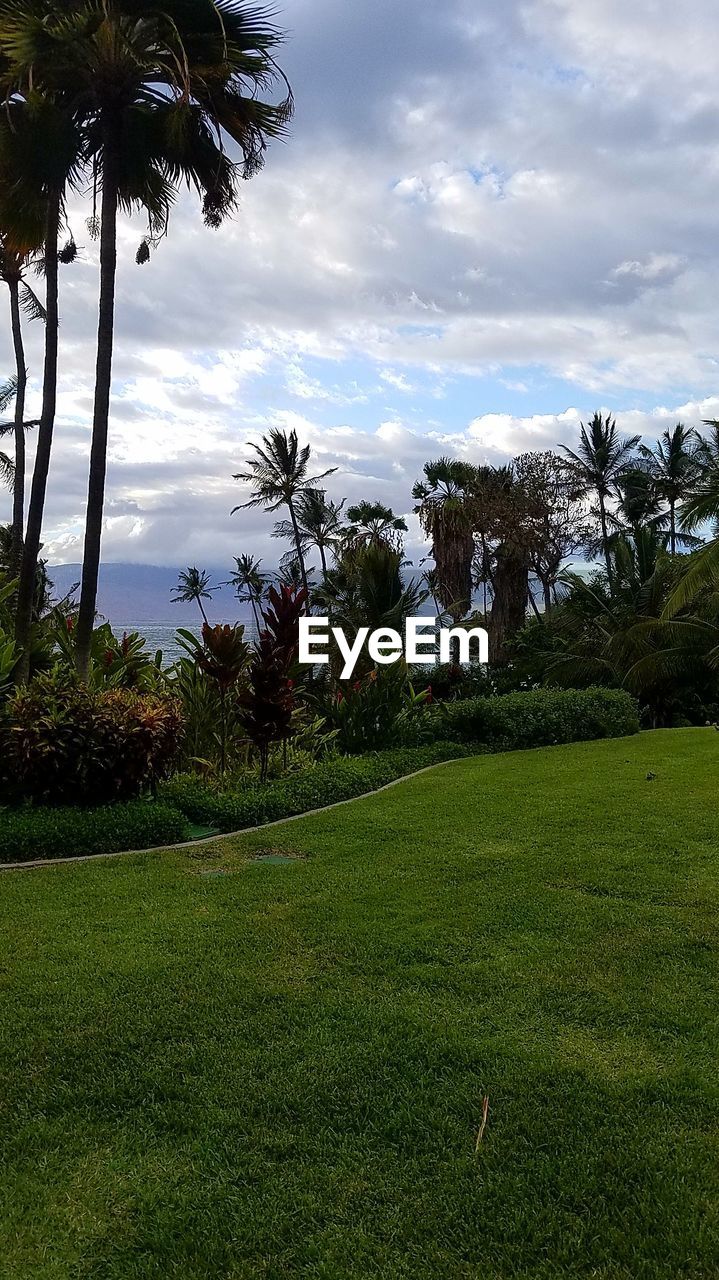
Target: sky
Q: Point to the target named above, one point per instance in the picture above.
(488, 222)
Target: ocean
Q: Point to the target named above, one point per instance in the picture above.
(162, 635)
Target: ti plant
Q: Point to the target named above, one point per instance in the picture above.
(223, 656)
(270, 700)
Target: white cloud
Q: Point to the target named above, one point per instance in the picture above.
(523, 194)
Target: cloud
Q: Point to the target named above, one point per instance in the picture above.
(485, 214)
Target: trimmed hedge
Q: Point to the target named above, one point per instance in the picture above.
(541, 718)
(324, 784)
(66, 832)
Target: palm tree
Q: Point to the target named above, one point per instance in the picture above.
(250, 584)
(365, 589)
(194, 584)
(638, 502)
(293, 573)
(444, 515)
(7, 466)
(157, 89)
(319, 523)
(674, 468)
(39, 157)
(601, 457)
(373, 522)
(278, 475)
(14, 261)
(702, 503)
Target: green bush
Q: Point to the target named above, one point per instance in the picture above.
(325, 783)
(29, 832)
(541, 718)
(61, 739)
(382, 709)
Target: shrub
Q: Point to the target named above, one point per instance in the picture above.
(29, 832)
(541, 717)
(323, 784)
(63, 740)
(383, 709)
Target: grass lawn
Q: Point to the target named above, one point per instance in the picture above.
(279, 1071)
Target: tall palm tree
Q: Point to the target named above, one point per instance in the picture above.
(601, 457)
(193, 584)
(373, 522)
(157, 89)
(278, 475)
(250, 584)
(674, 467)
(444, 514)
(39, 159)
(319, 523)
(15, 259)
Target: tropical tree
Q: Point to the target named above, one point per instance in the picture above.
(373, 522)
(674, 468)
(15, 259)
(250, 584)
(8, 467)
(366, 589)
(156, 89)
(193, 584)
(639, 502)
(601, 457)
(562, 527)
(444, 515)
(319, 523)
(701, 504)
(278, 475)
(40, 149)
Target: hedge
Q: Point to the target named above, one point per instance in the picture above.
(341, 778)
(65, 832)
(540, 718)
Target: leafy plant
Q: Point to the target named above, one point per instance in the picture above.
(381, 710)
(222, 656)
(61, 738)
(270, 700)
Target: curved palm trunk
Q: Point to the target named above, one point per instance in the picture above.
(672, 527)
(31, 548)
(18, 503)
(300, 557)
(101, 414)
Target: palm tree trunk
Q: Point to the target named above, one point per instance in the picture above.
(605, 543)
(36, 508)
(18, 502)
(323, 561)
(101, 414)
(672, 527)
(298, 547)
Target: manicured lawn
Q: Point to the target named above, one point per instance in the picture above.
(279, 1072)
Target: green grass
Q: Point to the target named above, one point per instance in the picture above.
(279, 1072)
